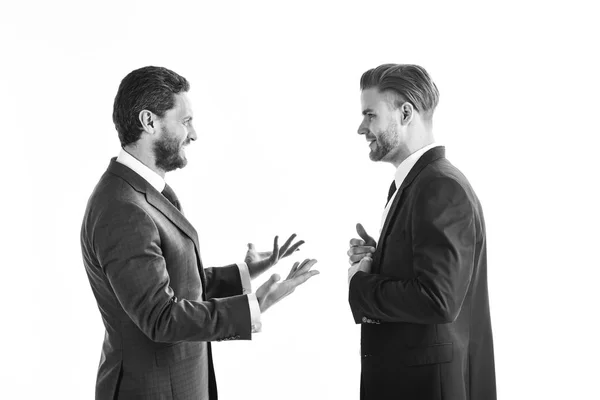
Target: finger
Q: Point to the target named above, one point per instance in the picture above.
(293, 270)
(300, 279)
(356, 258)
(360, 250)
(295, 247)
(363, 234)
(357, 242)
(365, 264)
(295, 267)
(273, 280)
(275, 255)
(251, 247)
(301, 267)
(305, 266)
(267, 286)
(287, 244)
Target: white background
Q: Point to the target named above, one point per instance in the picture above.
(275, 88)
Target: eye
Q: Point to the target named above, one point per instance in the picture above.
(371, 116)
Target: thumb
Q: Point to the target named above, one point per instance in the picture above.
(251, 246)
(363, 234)
(266, 287)
(365, 261)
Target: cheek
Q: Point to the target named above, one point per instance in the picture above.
(375, 128)
(182, 134)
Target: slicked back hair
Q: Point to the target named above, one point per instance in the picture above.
(148, 88)
(409, 82)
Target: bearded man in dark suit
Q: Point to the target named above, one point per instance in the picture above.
(161, 308)
(420, 293)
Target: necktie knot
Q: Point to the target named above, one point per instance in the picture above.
(171, 196)
(391, 191)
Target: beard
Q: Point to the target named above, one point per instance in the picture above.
(385, 142)
(167, 151)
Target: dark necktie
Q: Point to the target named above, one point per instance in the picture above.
(391, 191)
(171, 196)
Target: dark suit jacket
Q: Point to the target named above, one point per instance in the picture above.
(426, 331)
(160, 307)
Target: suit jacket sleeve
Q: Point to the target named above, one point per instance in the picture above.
(127, 244)
(223, 281)
(443, 244)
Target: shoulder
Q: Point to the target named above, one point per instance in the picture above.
(114, 192)
(442, 181)
(115, 202)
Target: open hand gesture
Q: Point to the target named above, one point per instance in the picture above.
(259, 262)
(272, 290)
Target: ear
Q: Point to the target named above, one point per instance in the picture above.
(407, 112)
(147, 119)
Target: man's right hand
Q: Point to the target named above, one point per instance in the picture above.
(272, 290)
(360, 248)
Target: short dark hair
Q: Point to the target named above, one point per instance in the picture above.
(408, 81)
(148, 88)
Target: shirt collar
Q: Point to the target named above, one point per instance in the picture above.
(406, 165)
(142, 170)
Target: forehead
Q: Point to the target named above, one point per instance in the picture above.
(372, 98)
(182, 107)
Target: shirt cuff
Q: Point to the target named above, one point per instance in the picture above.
(252, 300)
(245, 276)
(254, 313)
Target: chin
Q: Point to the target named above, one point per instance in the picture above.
(375, 156)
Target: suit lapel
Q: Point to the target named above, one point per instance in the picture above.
(164, 206)
(156, 199)
(430, 156)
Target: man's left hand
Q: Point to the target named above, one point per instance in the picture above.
(259, 262)
(364, 265)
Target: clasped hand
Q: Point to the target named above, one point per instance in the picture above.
(360, 251)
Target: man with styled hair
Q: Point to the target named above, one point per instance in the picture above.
(160, 307)
(420, 291)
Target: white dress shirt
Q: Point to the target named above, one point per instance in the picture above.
(159, 184)
(401, 174)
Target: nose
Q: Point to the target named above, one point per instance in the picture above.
(192, 134)
(362, 128)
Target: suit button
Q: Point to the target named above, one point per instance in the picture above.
(364, 319)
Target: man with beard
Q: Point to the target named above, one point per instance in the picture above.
(161, 308)
(420, 294)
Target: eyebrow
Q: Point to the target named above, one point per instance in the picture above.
(366, 111)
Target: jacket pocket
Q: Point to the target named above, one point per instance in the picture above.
(434, 354)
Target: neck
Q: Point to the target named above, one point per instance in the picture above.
(418, 140)
(145, 157)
